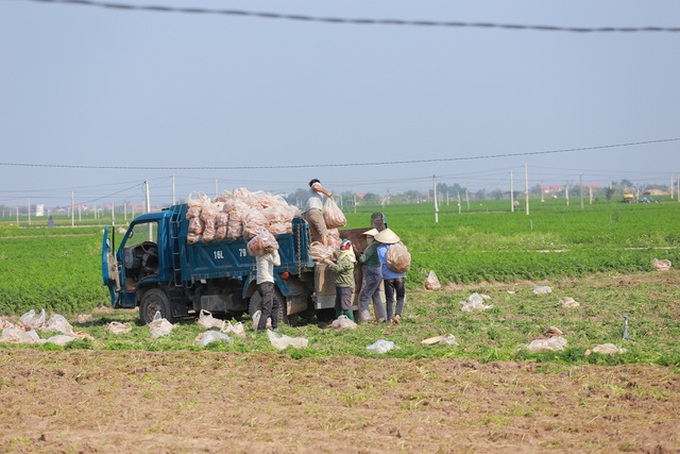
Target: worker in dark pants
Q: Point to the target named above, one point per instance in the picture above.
(266, 289)
(343, 270)
(371, 282)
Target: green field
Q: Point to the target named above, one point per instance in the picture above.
(490, 243)
(600, 255)
(59, 268)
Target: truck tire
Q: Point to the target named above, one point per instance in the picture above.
(155, 300)
(255, 304)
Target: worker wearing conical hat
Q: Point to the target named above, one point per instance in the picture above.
(393, 281)
(372, 278)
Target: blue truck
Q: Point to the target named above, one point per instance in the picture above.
(156, 269)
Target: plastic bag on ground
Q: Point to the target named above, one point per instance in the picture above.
(206, 320)
(18, 335)
(84, 318)
(609, 349)
(211, 336)
(381, 346)
(159, 326)
(32, 321)
(5, 324)
(542, 289)
(475, 302)
(432, 281)
(333, 215)
(58, 323)
(236, 329)
(281, 341)
(256, 319)
(551, 344)
(119, 328)
(343, 322)
(445, 339)
(661, 265)
(59, 339)
(63, 339)
(568, 301)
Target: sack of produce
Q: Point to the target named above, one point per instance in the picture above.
(398, 258)
(253, 222)
(319, 252)
(432, 281)
(333, 215)
(262, 243)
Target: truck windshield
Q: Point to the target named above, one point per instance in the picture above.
(141, 233)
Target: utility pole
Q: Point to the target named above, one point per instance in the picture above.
(434, 192)
(671, 187)
(526, 185)
(567, 193)
(73, 211)
(148, 206)
(29, 211)
(580, 182)
(174, 200)
(512, 194)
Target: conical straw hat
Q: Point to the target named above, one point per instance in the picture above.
(387, 236)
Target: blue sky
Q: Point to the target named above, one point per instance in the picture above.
(107, 89)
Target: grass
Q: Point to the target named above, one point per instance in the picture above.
(650, 300)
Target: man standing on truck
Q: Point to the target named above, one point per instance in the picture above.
(313, 211)
(265, 287)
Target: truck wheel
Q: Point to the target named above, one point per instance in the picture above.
(154, 300)
(255, 305)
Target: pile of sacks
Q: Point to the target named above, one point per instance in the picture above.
(237, 214)
(31, 322)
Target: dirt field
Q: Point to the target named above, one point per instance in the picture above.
(87, 401)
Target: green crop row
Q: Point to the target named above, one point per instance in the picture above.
(60, 268)
(59, 273)
(490, 243)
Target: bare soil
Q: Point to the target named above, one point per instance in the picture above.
(93, 401)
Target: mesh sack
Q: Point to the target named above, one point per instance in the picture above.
(398, 258)
(333, 215)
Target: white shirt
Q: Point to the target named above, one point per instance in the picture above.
(314, 200)
(265, 266)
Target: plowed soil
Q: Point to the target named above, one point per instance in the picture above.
(91, 401)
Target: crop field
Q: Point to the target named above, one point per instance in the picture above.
(485, 393)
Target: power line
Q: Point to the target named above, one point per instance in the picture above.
(346, 164)
(365, 21)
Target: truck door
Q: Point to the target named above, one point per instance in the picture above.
(110, 273)
(139, 254)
